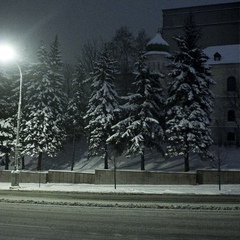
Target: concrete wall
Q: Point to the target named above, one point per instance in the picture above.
(5, 176)
(25, 176)
(52, 176)
(56, 176)
(211, 177)
(144, 177)
(126, 177)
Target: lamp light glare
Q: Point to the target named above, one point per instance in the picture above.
(7, 53)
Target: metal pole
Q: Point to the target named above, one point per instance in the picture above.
(15, 173)
(18, 119)
(115, 173)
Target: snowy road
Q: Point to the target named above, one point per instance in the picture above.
(124, 200)
(34, 221)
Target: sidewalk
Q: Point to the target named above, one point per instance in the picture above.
(128, 189)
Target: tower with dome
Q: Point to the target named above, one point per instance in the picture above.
(157, 50)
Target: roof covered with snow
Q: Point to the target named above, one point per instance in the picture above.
(157, 44)
(223, 54)
(158, 39)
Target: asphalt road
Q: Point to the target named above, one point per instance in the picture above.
(125, 200)
(36, 221)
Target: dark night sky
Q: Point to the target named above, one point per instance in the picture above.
(24, 23)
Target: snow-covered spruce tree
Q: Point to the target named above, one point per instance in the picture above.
(55, 75)
(103, 105)
(77, 105)
(6, 120)
(7, 135)
(42, 127)
(190, 100)
(140, 127)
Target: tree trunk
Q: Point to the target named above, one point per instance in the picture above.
(88, 155)
(142, 160)
(219, 173)
(7, 161)
(23, 162)
(74, 145)
(105, 156)
(186, 162)
(39, 166)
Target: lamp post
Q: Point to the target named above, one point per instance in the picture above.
(7, 54)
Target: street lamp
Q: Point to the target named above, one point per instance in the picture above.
(7, 54)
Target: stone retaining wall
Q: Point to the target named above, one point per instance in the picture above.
(56, 176)
(211, 176)
(25, 176)
(145, 177)
(126, 177)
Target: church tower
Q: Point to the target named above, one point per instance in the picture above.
(157, 51)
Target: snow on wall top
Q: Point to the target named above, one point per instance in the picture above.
(223, 54)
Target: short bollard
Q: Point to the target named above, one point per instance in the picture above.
(15, 177)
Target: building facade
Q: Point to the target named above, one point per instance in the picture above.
(219, 23)
(225, 63)
(220, 27)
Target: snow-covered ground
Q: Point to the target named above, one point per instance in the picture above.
(154, 161)
(128, 189)
(230, 158)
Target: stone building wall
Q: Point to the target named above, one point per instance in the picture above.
(220, 26)
(220, 23)
(223, 126)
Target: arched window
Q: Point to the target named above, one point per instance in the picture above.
(231, 136)
(217, 56)
(231, 115)
(231, 84)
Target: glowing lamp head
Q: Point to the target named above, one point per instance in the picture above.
(7, 53)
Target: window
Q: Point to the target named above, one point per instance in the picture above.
(217, 56)
(153, 65)
(231, 136)
(231, 84)
(231, 116)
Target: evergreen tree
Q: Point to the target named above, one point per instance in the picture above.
(141, 127)
(77, 105)
(6, 119)
(68, 71)
(55, 75)
(42, 125)
(7, 135)
(190, 100)
(103, 105)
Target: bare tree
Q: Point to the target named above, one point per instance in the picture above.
(220, 158)
(123, 49)
(141, 41)
(89, 54)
